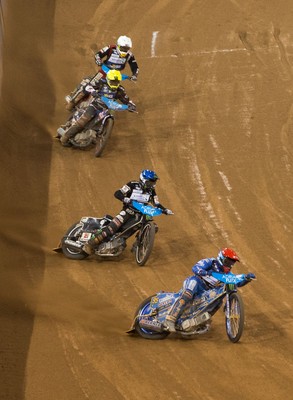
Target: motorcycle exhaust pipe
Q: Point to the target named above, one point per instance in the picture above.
(151, 325)
(72, 245)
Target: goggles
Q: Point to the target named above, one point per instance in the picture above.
(113, 83)
(150, 184)
(228, 262)
(125, 49)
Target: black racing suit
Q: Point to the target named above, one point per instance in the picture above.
(133, 190)
(101, 89)
(95, 106)
(115, 61)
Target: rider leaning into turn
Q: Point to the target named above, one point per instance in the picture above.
(142, 191)
(110, 88)
(118, 55)
(194, 285)
(114, 56)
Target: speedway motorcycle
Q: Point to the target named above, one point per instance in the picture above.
(142, 225)
(197, 316)
(97, 131)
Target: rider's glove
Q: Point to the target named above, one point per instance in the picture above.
(133, 78)
(98, 60)
(126, 200)
(215, 268)
(168, 212)
(250, 276)
(202, 272)
(90, 89)
(131, 106)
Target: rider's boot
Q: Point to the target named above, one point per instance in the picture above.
(94, 242)
(76, 128)
(77, 94)
(70, 105)
(100, 235)
(174, 313)
(72, 131)
(72, 101)
(177, 309)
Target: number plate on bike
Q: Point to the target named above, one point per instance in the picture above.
(85, 236)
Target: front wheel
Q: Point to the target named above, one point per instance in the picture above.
(145, 243)
(73, 233)
(235, 320)
(144, 309)
(103, 137)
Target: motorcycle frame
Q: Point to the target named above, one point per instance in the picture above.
(227, 290)
(195, 310)
(141, 220)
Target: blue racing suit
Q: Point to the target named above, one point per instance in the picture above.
(194, 285)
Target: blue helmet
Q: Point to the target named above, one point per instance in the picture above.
(148, 178)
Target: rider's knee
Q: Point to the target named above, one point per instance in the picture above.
(187, 295)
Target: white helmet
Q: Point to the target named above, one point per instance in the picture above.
(124, 44)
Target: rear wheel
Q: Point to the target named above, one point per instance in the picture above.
(144, 309)
(235, 320)
(104, 137)
(73, 233)
(145, 243)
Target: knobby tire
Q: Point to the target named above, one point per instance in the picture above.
(72, 233)
(235, 321)
(103, 138)
(145, 244)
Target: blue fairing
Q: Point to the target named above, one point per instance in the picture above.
(229, 278)
(114, 105)
(146, 209)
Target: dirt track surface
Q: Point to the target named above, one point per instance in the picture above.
(215, 105)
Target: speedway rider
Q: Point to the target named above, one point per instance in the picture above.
(110, 88)
(194, 285)
(142, 191)
(113, 57)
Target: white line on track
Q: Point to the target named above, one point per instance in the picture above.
(225, 180)
(201, 53)
(192, 53)
(154, 39)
